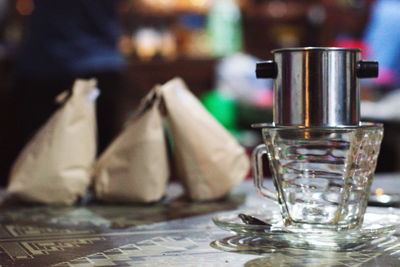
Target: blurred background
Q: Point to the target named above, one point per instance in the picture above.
(212, 44)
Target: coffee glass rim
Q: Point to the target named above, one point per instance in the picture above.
(269, 125)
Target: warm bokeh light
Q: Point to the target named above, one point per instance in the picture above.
(379, 191)
(25, 7)
(182, 5)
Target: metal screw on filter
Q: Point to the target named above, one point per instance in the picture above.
(317, 86)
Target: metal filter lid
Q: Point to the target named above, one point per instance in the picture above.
(317, 86)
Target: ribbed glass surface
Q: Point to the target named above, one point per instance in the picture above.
(323, 176)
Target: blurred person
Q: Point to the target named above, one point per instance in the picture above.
(382, 37)
(65, 40)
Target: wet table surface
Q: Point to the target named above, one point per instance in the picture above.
(174, 232)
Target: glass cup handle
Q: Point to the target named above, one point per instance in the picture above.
(258, 173)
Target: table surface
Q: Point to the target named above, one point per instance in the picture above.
(174, 232)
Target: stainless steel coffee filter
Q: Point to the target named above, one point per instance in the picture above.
(317, 86)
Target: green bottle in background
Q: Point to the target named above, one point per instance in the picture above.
(222, 108)
(224, 28)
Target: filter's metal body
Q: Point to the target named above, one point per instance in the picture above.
(317, 86)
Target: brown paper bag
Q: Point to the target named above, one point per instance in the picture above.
(55, 166)
(209, 160)
(134, 168)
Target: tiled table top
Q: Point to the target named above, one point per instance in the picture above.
(173, 233)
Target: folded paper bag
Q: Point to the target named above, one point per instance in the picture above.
(134, 168)
(55, 166)
(208, 159)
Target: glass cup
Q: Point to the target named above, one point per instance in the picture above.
(322, 175)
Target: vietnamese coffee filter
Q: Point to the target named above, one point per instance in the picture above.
(208, 159)
(55, 166)
(134, 168)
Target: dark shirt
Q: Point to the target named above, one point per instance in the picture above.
(70, 38)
